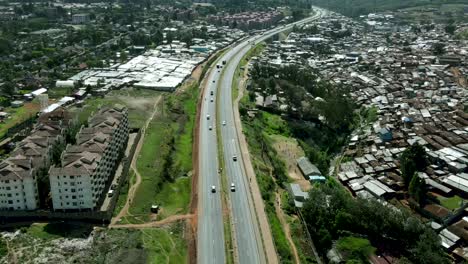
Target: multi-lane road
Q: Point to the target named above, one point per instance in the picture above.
(248, 240)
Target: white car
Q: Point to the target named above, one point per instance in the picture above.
(234, 158)
(207, 117)
(211, 99)
(213, 189)
(210, 128)
(224, 122)
(233, 187)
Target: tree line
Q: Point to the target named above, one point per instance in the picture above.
(331, 213)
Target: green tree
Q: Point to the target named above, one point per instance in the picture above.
(417, 189)
(6, 46)
(450, 29)
(355, 249)
(157, 37)
(413, 159)
(408, 169)
(169, 37)
(8, 89)
(438, 48)
(187, 38)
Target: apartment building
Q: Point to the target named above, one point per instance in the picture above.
(18, 173)
(18, 186)
(80, 18)
(82, 180)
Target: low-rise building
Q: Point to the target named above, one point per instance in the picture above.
(80, 18)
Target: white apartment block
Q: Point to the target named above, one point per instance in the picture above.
(18, 187)
(79, 184)
(18, 182)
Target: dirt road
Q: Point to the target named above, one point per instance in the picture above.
(165, 221)
(285, 224)
(134, 187)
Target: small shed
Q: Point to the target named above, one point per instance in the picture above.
(307, 168)
(17, 103)
(65, 84)
(298, 195)
(385, 134)
(38, 92)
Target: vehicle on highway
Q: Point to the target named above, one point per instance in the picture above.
(210, 128)
(234, 157)
(110, 193)
(211, 99)
(211, 92)
(224, 62)
(233, 187)
(213, 81)
(224, 122)
(213, 188)
(207, 117)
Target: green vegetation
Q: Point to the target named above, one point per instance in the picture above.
(184, 142)
(299, 236)
(18, 115)
(320, 115)
(331, 213)
(174, 197)
(451, 203)
(270, 172)
(3, 248)
(412, 160)
(281, 244)
(462, 34)
(239, 74)
(165, 245)
(229, 250)
(417, 189)
(165, 158)
(369, 114)
(123, 194)
(139, 102)
(355, 249)
(88, 244)
(56, 230)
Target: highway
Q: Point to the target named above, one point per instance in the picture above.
(210, 245)
(248, 240)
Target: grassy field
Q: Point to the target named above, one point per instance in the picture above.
(183, 144)
(166, 158)
(18, 115)
(124, 192)
(451, 203)
(139, 102)
(42, 243)
(150, 166)
(165, 245)
(174, 197)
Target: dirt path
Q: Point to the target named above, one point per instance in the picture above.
(11, 253)
(268, 244)
(165, 221)
(287, 230)
(134, 187)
